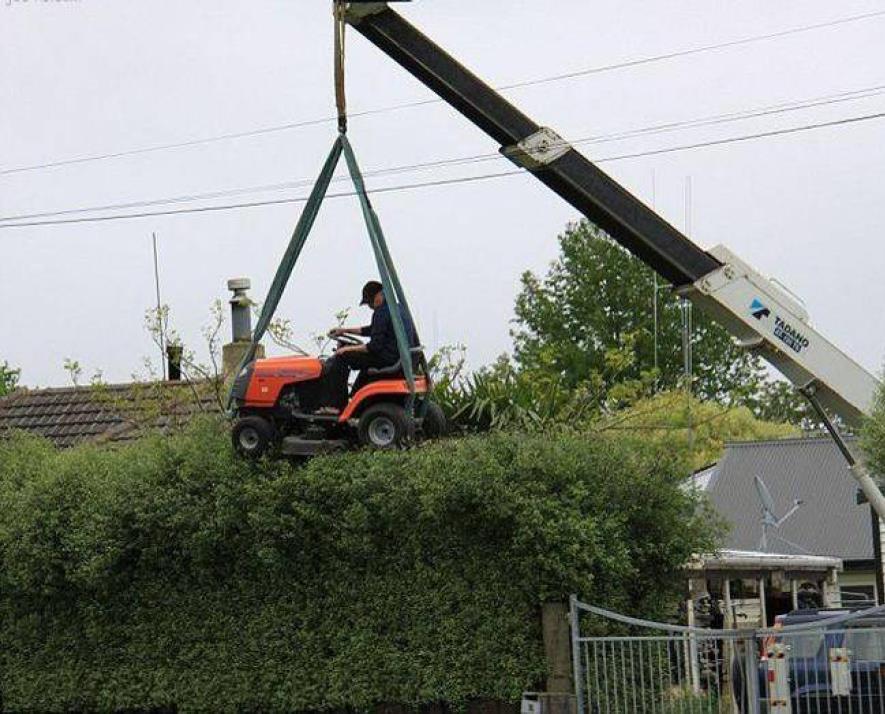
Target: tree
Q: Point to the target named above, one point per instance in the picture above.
(873, 435)
(698, 430)
(780, 401)
(597, 299)
(8, 378)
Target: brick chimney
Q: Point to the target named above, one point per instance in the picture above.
(241, 326)
(174, 353)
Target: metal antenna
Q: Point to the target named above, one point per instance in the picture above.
(688, 366)
(159, 307)
(688, 206)
(769, 519)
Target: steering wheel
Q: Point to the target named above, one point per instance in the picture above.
(346, 340)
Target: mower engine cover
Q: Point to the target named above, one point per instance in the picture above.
(261, 381)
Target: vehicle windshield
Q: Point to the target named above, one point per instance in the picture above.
(804, 644)
(866, 644)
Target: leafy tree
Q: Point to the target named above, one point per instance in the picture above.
(873, 435)
(695, 429)
(780, 401)
(595, 299)
(8, 378)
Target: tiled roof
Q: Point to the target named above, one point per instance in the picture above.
(116, 412)
(829, 521)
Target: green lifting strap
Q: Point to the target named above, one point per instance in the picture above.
(393, 290)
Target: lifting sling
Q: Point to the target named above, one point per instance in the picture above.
(393, 290)
(394, 295)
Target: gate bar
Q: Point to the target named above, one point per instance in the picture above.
(575, 628)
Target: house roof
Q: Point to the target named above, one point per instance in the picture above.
(755, 561)
(117, 412)
(829, 522)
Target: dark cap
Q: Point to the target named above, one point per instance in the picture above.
(370, 290)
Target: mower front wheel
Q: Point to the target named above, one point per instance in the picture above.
(385, 426)
(252, 436)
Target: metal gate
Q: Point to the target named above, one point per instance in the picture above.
(625, 665)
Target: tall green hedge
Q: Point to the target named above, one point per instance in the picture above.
(171, 573)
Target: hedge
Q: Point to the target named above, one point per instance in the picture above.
(170, 573)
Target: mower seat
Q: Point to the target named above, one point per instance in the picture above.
(395, 368)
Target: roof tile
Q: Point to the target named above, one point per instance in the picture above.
(72, 415)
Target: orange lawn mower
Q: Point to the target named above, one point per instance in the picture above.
(275, 401)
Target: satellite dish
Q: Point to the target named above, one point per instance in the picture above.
(768, 507)
(769, 517)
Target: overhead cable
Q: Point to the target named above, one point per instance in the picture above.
(452, 181)
(424, 102)
(667, 127)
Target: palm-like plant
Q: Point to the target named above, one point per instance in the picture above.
(503, 397)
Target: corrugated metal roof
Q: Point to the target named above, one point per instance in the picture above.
(829, 522)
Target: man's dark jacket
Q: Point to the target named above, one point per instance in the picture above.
(382, 338)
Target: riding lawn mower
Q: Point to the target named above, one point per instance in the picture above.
(275, 402)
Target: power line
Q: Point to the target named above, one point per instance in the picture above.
(187, 198)
(779, 108)
(747, 137)
(696, 50)
(257, 204)
(715, 119)
(211, 139)
(424, 102)
(453, 181)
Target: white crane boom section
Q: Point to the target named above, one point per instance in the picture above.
(766, 319)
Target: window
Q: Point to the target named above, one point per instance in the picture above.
(858, 595)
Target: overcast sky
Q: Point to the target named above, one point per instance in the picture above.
(87, 77)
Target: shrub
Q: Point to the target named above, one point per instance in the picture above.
(171, 573)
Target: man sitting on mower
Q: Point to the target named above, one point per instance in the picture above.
(380, 351)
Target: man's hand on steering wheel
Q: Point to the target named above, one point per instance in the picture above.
(346, 342)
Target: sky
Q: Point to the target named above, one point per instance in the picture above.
(80, 78)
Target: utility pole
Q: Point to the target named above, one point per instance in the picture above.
(160, 329)
(688, 367)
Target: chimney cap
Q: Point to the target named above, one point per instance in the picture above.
(236, 284)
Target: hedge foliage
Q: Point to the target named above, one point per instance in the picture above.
(171, 573)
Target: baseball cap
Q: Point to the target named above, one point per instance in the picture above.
(370, 290)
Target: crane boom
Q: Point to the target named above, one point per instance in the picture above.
(762, 315)
(564, 170)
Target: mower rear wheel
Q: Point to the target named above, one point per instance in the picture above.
(434, 425)
(252, 436)
(385, 426)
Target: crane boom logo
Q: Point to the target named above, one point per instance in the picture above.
(783, 330)
(758, 310)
